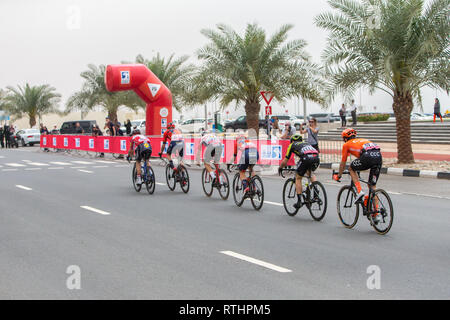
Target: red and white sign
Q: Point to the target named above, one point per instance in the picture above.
(267, 96)
(268, 111)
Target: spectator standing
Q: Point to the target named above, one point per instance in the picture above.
(2, 137)
(288, 132)
(128, 127)
(109, 125)
(96, 132)
(55, 130)
(437, 110)
(269, 126)
(313, 133)
(7, 135)
(44, 132)
(353, 109)
(12, 137)
(342, 114)
(119, 131)
(78, 129)
(275, 125)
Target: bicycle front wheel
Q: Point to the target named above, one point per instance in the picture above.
(347, 211)
(238, 190)
(258, 193)
(224, 189)
(207, 183)
(381, 204)
(137, 187)
(184, 179)
(171, 182)
(290, 197)
(317, 201)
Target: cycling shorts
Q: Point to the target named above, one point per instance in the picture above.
(249, 158)
(213, 152)
(143, 151)
(308, 163)
(369, 160)
(176, 146)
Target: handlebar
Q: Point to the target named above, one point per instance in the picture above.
(287, 170)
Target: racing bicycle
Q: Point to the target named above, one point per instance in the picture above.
(377, 202)
(177, 175)
(221, 183)
(148, 177)
(314, 197)
(255, 193)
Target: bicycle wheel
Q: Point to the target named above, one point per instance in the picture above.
(171, 182)
(150, 183)
(381, 203)
(207, 183)
(258, 193)
(290, 197)
(238, 190)
(184, 179)
(348, 213)
(318, 201)
(137, 187)
(224, 189)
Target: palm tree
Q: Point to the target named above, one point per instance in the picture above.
(32, 101)
(173, 72)
(396, 46)
(94, 94)
(236, 68)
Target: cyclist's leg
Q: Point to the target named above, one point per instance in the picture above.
(209, 154)
(169, 154)
(355, 166)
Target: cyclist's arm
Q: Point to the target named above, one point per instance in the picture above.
(344, 160)
(130, 151)
(287, 157)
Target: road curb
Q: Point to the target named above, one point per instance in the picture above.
(399, 172)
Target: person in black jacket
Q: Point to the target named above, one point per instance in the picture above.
(7, 136)
(96, 132)
(128, 127)
(2, 137)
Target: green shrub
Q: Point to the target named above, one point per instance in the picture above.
(374, 117)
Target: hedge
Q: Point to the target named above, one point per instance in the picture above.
(374, 117)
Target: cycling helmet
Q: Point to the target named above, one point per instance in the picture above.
(171, 126)
(136, 131)
(296, 137)
(348, 133)
(287, 123)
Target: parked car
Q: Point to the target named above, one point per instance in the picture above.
(322, 117)
(194, 125)
(69, 127)
(28, 137)
(241, 124)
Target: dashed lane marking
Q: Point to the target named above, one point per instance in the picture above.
(105, 161)
(95, 210)
(23, 187)
(60, 163)
(32, 169)
(15, 164)
(274, 203)
(256, 261)
(86, 171)
(55, 168)
(81, 162)
(10, 169)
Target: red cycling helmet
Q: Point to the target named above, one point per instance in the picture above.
(171, 126)
(348, 133)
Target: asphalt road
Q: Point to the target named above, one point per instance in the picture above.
(171, 246)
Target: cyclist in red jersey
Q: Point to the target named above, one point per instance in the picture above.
(176, 143)
(368, 156)
(249, 157)
(141, 147)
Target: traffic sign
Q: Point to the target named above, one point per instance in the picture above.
(268, 111)
(267, 96)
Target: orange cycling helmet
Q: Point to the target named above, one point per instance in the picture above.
(348, 133)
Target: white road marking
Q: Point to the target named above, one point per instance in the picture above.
(393, 192)
(10, 169)
(2, 157)
(86, 171)
(32, 169)
(38, 164)
(23, 187)
(121, 166)
(55, 168)
(15, 164)
(160, 184)
(95, 210)
(104, 161)
(100, 167)
(61, 163)
(256, 261)
(274, 203)
(81, 162)
(77, 167)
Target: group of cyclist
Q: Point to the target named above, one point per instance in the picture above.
(368, 157)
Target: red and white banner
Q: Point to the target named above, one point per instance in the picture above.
(270, 153)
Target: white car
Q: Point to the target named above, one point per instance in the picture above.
(29, 137)
(194, 125)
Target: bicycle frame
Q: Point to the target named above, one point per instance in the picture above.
(365, 207)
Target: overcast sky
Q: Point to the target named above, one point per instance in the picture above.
(46, 41)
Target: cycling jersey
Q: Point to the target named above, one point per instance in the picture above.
(213, 144)
(210, 139)
(172, 135)
(358, 146)
(301, 150)
(139, 139)
(243, 144)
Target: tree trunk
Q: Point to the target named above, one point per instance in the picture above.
(112, 115)
(402, 109)
(32, 121)
(252, 113)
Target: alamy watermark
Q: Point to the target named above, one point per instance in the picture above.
(374, 280)
(73, 282)
(73, 21)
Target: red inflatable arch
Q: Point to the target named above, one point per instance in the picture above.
(157, 96)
